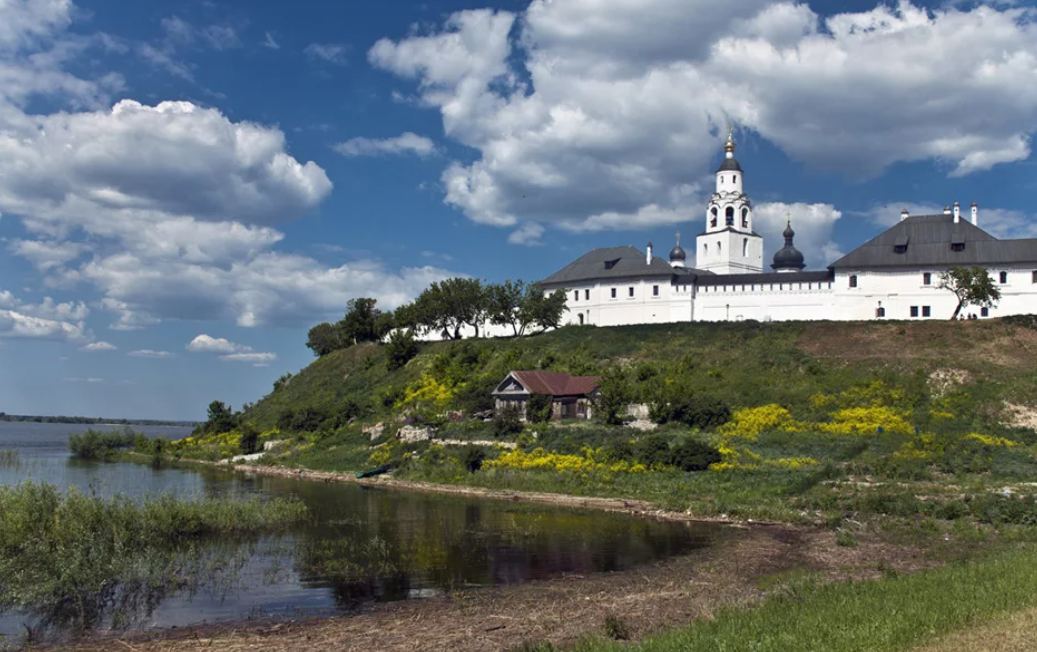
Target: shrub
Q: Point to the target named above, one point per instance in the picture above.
(697, 411)
(691, 455)
(619, 450)
(249, 438)
(654, 451)
(96, 445)
(507, 422)
(616, 629)
(305, 420)
(400, 349)
(538, 410)
(473, 458)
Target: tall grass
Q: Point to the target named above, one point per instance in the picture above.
(71, 560)
(888, 615)
(9, 460)
(98, 445)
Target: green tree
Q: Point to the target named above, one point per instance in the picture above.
(220, 418)
(400, 349)
(249, 438)
(540, 310)
(973, 286)
(448, 306)
(538, 409)
(364, 322)
(324, 339)
(503, 301)
(613, 396)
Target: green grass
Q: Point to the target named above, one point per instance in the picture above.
(888, 615)
(72, 560)
(9, 459)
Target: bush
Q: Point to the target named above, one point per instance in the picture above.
(507, 422)
(691, 455)
(305, 420)
(654, 451)
(616, 629)
(538, 410)
(400, 349)
(96, 445)
(697, 411)
(249, 438)
(473, 458)
(619, 450)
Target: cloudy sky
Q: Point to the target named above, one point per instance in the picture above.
(186, 187)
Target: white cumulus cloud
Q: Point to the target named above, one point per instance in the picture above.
(207, 344)
(609, 114)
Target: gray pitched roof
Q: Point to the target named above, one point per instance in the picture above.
(925, 240)
(610, 263)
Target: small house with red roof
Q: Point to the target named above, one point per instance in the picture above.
(572, 397)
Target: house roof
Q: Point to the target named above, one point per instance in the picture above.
(925, 240)
(553, 383)
(608, 263)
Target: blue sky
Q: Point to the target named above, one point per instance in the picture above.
(186, 187)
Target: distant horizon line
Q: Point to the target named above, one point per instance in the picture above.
(114, 421)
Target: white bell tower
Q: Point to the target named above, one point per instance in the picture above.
(729, 245)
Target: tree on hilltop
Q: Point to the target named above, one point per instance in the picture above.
(973, 286)
(324, 339)
(503, 301)
(364, 322)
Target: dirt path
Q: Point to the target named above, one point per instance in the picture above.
(647, 599)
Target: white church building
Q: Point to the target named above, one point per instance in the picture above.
(895, 275)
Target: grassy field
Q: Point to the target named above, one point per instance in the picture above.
(895, 614)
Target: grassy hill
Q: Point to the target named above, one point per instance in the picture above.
(747, 364)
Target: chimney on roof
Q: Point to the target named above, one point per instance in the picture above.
(975, 214)
(903, 215)
(957, 212)
(649, 256)
(946, 210)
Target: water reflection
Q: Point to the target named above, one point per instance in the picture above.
(363, 545)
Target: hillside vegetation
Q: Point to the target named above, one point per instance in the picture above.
(747, 364)
(821, 422)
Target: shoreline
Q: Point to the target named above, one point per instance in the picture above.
(631, 507)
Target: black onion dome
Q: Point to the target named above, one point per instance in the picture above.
(729, 164)
(788, 257)
(678, 254)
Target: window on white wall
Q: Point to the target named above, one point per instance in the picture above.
(927, 279)
(914, 311)
(984, 312)
(745, 245)
(705, 249)
(655, 290)
(1004, 277)
(718, 248)
(729, 215)
(576, 295)
(631, 291)
(853, 281)
(1034, 276)
(587, 295)
(926, 312)
(613, 293)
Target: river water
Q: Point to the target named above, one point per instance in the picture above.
(363, 546)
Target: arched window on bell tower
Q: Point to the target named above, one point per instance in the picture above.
(745, 218)
(713, 221)
(729, 216)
